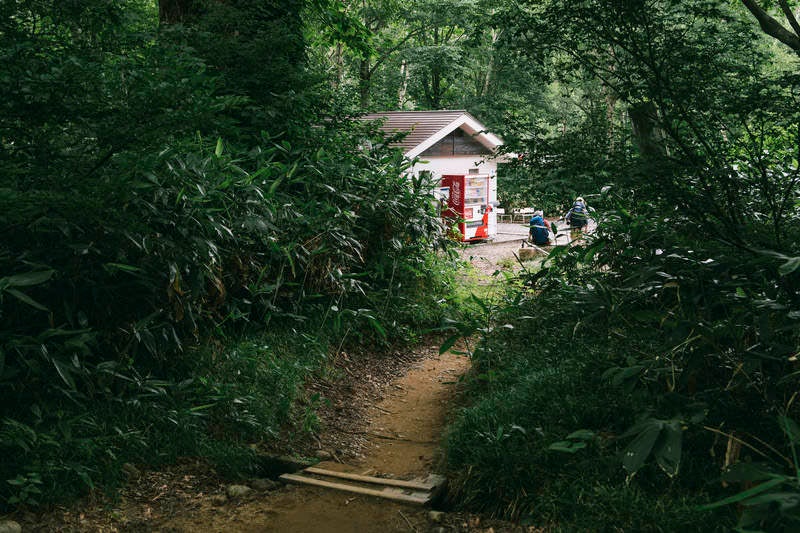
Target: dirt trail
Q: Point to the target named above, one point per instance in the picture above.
(380, 426)
(403, 442)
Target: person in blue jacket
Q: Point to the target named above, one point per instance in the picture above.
(539, 229)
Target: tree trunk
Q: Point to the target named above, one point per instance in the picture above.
(401, 93)
(611, 103)
(436, 88)
(490, 67)
(337, 58)
(364, 83)
(174, 11)
(436, 78)
(775, 29)
(646, 131)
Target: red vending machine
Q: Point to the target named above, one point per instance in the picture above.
(469, 200)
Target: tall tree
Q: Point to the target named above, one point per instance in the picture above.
(175, 11)
(256, 49)
(378, 32)
(438, 57)
(789, 36)
(664, 64)
(390, 34)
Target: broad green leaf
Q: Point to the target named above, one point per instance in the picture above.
(86, 478)
(123, 267)
(26, 299)
(292, 170)
(763, 487)
(636, 453)
(218, 150)
(791, 428)
(789, 266)
(202, 407)
(625, 374)
(377, 326)
(592, 251)
(610, 373)
(29, 278)
(667, 450)
(582, 434)
(480, 303)
(64, 372)
(567, 446)
(449, 343)
(785, 500)
(274, 187)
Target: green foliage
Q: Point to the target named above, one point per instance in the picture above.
(509, 446)
(182, 247)
(672, 331)
(771, 504)
(516, 451)
(25, 488)
(647, 352)
(202, 242)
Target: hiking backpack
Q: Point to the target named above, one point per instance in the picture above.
(578, 211)
(539, 232)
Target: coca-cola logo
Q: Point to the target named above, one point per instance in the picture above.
(456, 196)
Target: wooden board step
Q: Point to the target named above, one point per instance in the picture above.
(419, 492)
(428, 484)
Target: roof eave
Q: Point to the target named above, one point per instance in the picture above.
(469, 124)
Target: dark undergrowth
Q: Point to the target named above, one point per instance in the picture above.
(627, 398)
(646, 380)
(191, 229)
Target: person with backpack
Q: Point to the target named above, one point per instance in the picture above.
(578, 216)
(539, 229)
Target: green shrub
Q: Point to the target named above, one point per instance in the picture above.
(114, 303)
(618, 375)
(187, 234)
(532, 390)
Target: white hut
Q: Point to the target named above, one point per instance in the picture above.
(457, 150)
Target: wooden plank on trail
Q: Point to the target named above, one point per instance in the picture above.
(434, 482)
(387, 493)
